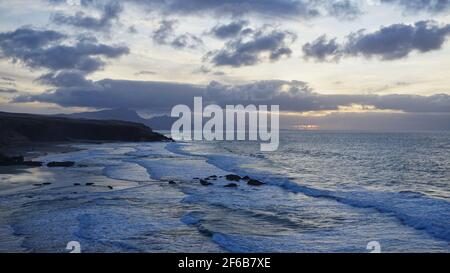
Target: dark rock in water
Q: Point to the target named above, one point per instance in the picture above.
(233, 177)
(61, 164)
(76, 184)
(46, 183)
(37, 185)
(171, 182)
(110, 187)
(231, 185)
(246, 178)
(254, 182)
(89, 184)
(196, 178)
(213, 176)
(205, 183)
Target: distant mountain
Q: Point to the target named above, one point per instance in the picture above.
(161, 122)
(123, 114)
(113, 114)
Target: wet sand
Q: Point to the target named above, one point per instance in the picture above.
(31, 151)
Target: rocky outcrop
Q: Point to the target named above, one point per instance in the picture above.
(233, 177)
(203, 182)
(230, 177)
(61, 164)
(254, 182)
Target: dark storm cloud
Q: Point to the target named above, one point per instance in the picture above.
(186, 41)
(85, 3)
(436, 6)
(233, 7)
(322, 49)
(399, 40)
(39, 49)
(110, 12)
(250, 49)
(293, 9)
(165, 35)
(228, 30)
(389, 43)
(65, 79)
(121, 93)
(299, 97)
(413, 103)
(164, 31)
(81, 56)
(27, 38)
(293, 96)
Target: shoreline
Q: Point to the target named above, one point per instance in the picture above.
(34, 150)
(31, 151)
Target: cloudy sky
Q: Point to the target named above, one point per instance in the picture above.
(337, 64)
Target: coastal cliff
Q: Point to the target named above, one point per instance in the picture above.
(16, 129)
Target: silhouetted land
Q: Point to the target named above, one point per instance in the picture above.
(25, 129)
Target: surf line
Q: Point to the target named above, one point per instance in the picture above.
(228, 124)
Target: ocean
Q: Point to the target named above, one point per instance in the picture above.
(324, 192)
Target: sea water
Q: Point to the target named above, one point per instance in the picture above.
(324, 192)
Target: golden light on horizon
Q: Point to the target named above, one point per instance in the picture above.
(308, 127)
(353, 108)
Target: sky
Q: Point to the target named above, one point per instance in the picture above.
(337, 64)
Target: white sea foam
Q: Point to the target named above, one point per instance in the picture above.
(413, 209)
(282, 216)
(127, 171)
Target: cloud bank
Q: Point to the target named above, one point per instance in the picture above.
(292, 96)
(388, 43)
(44, 49)
(110, 12)
(434, 6)
(165, 35)
(230, 30)
(253, 47)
